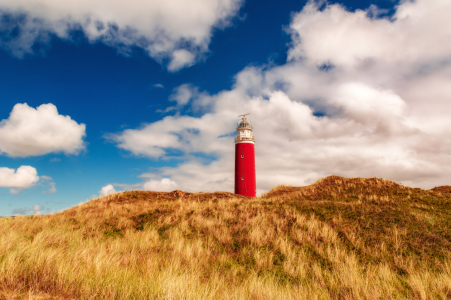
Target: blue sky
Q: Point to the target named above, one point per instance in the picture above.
(354, 88)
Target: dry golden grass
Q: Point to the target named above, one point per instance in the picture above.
(336, 239)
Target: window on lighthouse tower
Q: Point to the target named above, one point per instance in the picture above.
(245, 133)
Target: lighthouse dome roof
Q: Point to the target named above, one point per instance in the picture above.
(244, 124)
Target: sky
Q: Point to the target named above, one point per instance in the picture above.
(103, 96)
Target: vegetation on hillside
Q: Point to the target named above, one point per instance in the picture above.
(338, 238)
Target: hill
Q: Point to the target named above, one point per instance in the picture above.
(338, 238)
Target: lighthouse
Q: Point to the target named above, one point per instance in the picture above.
(245, 159)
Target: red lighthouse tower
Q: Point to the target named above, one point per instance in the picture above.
(245, 159)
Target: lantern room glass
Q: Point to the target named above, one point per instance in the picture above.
(244, 124)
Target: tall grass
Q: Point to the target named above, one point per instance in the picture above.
(336, 239)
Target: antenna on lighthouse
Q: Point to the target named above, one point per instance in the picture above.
(244, 116)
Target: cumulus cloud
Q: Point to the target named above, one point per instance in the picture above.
(358, 96)
(151, 182)
(32, 132)
(107, 190)
(174, 30)
(22, 178)
(25, 177)
(163, 185)
(178, 133)
(418, 33)
(181, 58)
(183, 94)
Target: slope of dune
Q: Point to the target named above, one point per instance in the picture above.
(339, 238)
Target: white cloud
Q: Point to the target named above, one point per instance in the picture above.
(163, 185)
(38, 209)
(167, 29)
(22, 178)
(33, 132)
(418, 32)
(149, 184)
(181, 58)
(180, 133)
(158, 85)
(47, 182)
(107, 190)
(183, 94)
(25, 177)
(380, 109)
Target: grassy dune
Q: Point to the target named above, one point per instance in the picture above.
(336, 239)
